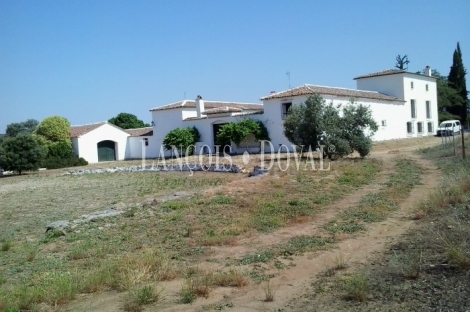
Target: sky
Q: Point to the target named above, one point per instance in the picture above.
(89, 60)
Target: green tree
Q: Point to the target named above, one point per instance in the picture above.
(127, 121)
(21, 153)
(54, 129)
(402, 62)
(316, 123)
(16, 128)
(458, 82)
(238, 132)
(182, 139)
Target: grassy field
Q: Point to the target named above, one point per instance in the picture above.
(428, 269)
(152, 241)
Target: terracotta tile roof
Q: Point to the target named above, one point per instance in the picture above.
(383, 73)
(76, 131)
(220, 110)
(258, 112)
(209, 105)
(349, 93)
(147, 131)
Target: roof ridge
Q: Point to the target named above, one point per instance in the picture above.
(90, 124)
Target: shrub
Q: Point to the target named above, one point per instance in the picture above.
(55, 162)
(182, 138)
(236, 132)
(21, 153)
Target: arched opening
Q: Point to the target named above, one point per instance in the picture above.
(224, 146)
(106, 150)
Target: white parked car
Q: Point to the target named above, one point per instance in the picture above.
(449, 127)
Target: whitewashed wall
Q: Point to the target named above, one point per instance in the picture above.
(399, 85)
(391, 112)
(88, 143)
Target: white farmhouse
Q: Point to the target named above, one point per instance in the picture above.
(104, 141)
(403, 104)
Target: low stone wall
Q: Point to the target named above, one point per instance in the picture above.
(210, 168)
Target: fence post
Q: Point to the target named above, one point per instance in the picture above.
(463, 142)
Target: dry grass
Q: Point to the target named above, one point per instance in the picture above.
(152, 243)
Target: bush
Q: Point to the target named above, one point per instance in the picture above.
(236, 132)
(315, 123)
(182, 138)
(21, 153)
(55, 162)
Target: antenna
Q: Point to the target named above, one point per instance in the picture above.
(184, 98)
(288, 77)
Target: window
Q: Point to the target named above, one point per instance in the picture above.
(428, 109)
(420, 127)
(384, 123)
(409, 127)
(146, 141)
(412, 85)
(430, 127)
(413, 109)
(285, 109)
(427, 87)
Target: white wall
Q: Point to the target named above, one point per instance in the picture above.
(420, 95)
(392, 112)
(134, 147)
(399, 85)
(88, 143)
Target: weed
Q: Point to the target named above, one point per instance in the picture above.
(356, 287)
(231, 278)
(269, 291)
(299, 244)
(6, 244)
(139, 297)
(130, 212)
(264, 257)
(197, 284)
(344, 226)
(223, 200)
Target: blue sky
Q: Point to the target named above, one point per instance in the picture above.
(90, 60)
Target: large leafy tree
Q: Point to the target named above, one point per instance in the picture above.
(21, 153)
(127, 121)
(16, 128)
(458, 82)
(54, 129)
(316, 123)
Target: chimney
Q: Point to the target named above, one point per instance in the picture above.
(199, 105)
(427, 71)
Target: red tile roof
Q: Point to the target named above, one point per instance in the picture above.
(209, 105)
(220, 110)
(258, 112)
(77, 131)
(383, 73)
(340, 92)
(147, 131)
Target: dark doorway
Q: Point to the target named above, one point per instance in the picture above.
(225, 145)
(106, 151)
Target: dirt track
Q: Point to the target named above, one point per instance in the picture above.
(292, 282)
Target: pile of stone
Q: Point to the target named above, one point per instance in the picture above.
(210, 168)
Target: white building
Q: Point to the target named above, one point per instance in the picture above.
(403, 104)
(104, 141)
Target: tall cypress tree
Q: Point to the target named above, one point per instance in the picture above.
(457, 81)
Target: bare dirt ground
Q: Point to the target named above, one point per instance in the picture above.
(300, 271)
